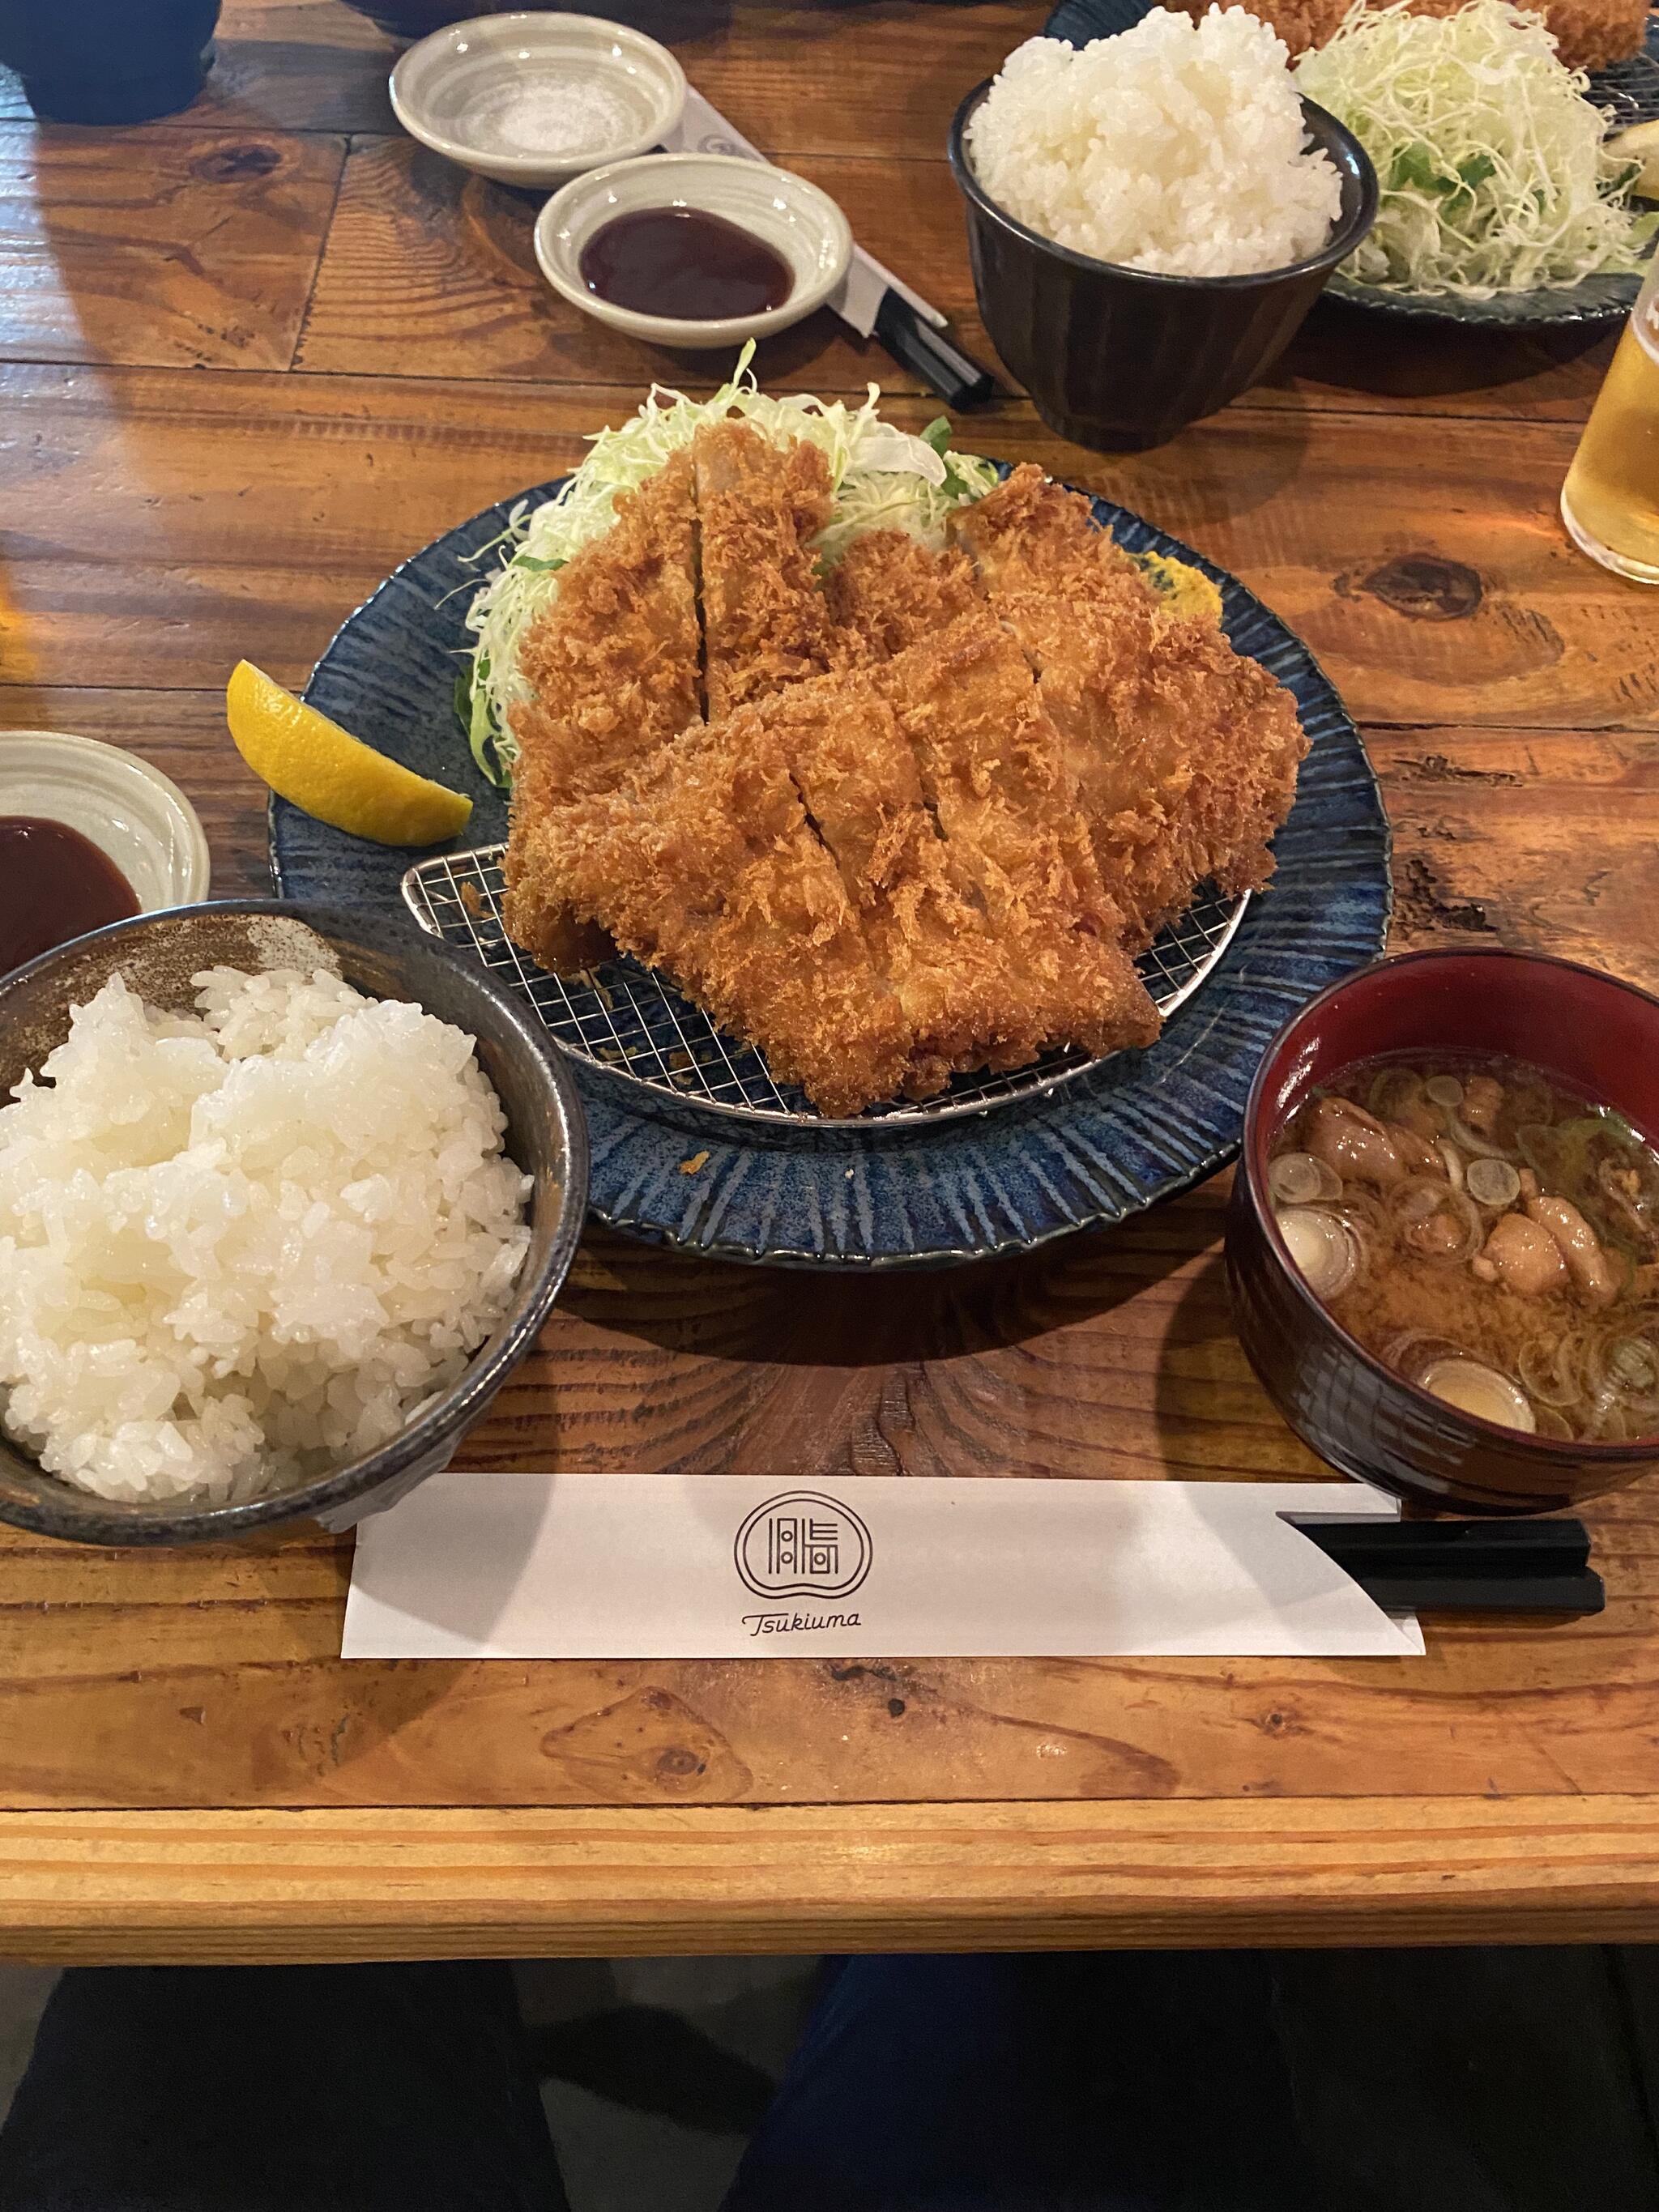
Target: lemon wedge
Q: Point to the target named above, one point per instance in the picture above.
(326, 772)
(1640, 143)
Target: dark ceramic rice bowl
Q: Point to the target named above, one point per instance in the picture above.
(158, 953)
(1118, 359)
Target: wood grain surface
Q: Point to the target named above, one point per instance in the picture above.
(195, 518)
(181, 249)
(251, 357)
(274, 1886)
(431, 271)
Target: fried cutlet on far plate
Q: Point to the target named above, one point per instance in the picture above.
(1184, 752)
(615, 669)
(928, 929)
(759, 506)
(991, 772)
(703, 863)
(1590, 34)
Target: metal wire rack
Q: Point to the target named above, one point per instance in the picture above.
(633, 1024)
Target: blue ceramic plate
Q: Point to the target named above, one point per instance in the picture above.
(1630, 89)
(1113, 1139)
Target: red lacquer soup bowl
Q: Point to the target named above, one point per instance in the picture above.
(1596, 1035)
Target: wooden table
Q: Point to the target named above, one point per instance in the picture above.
(250, 357)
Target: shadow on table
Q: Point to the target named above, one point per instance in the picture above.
(1213, 1418)
(794, 1317)
(1345, 346)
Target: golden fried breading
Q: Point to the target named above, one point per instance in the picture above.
(1016, 762)
(991, 767)
(615, 670)
(613, 664)
(703, 863)
(925, 926)
(759, 506)
(536, 908)
(1184, 753)
(1032, 535)
(887, 592)
(891, 593)
(1191, 695)
(1590, 34)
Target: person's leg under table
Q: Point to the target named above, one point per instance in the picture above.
(280, 2089)
(1122, 2083)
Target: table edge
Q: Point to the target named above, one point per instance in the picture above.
(359, 1883)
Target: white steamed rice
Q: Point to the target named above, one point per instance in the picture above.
(239, 1247)
(1176, 146)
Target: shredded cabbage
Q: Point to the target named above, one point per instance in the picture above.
(1494, 173)
(882, 478)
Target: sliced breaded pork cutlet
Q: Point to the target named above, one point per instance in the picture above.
(924, 919)
(703, 863)
(1184, 753)
(759, 506)
(887, 592)
(991, 770)
(615, 670)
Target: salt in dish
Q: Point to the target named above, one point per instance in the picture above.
(535, 99)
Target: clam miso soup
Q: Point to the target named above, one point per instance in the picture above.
(1488, 1234)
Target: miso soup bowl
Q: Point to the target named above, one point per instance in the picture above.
(1595, 1033)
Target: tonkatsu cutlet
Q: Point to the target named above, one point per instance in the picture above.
(1185, 753)
(887, 592)
(938, 798)
(991, 769)
(924, 921)
(1031, 534)
(759, 506)
(703, 862)
(615, 670)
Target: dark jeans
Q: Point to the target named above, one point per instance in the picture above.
(1452, 2082)
(280, 2089)
(1120, 2082)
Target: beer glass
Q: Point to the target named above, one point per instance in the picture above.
(1610, 500)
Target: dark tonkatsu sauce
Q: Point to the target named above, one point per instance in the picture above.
(54, 885)
(679, 261)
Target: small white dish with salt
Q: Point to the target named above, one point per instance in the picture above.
(534, 99)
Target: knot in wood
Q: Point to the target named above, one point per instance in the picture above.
(236, 165)
(1425, 588)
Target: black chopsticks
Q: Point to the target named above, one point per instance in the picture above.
(933, 353)
(1487, 1566)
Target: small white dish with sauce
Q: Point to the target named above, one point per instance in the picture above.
(533, 99)
(803, 226)
(137, 816)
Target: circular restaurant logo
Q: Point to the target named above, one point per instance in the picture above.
(802, 1544)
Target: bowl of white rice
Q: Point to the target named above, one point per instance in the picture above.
(1150, 218)
(286, 1192)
